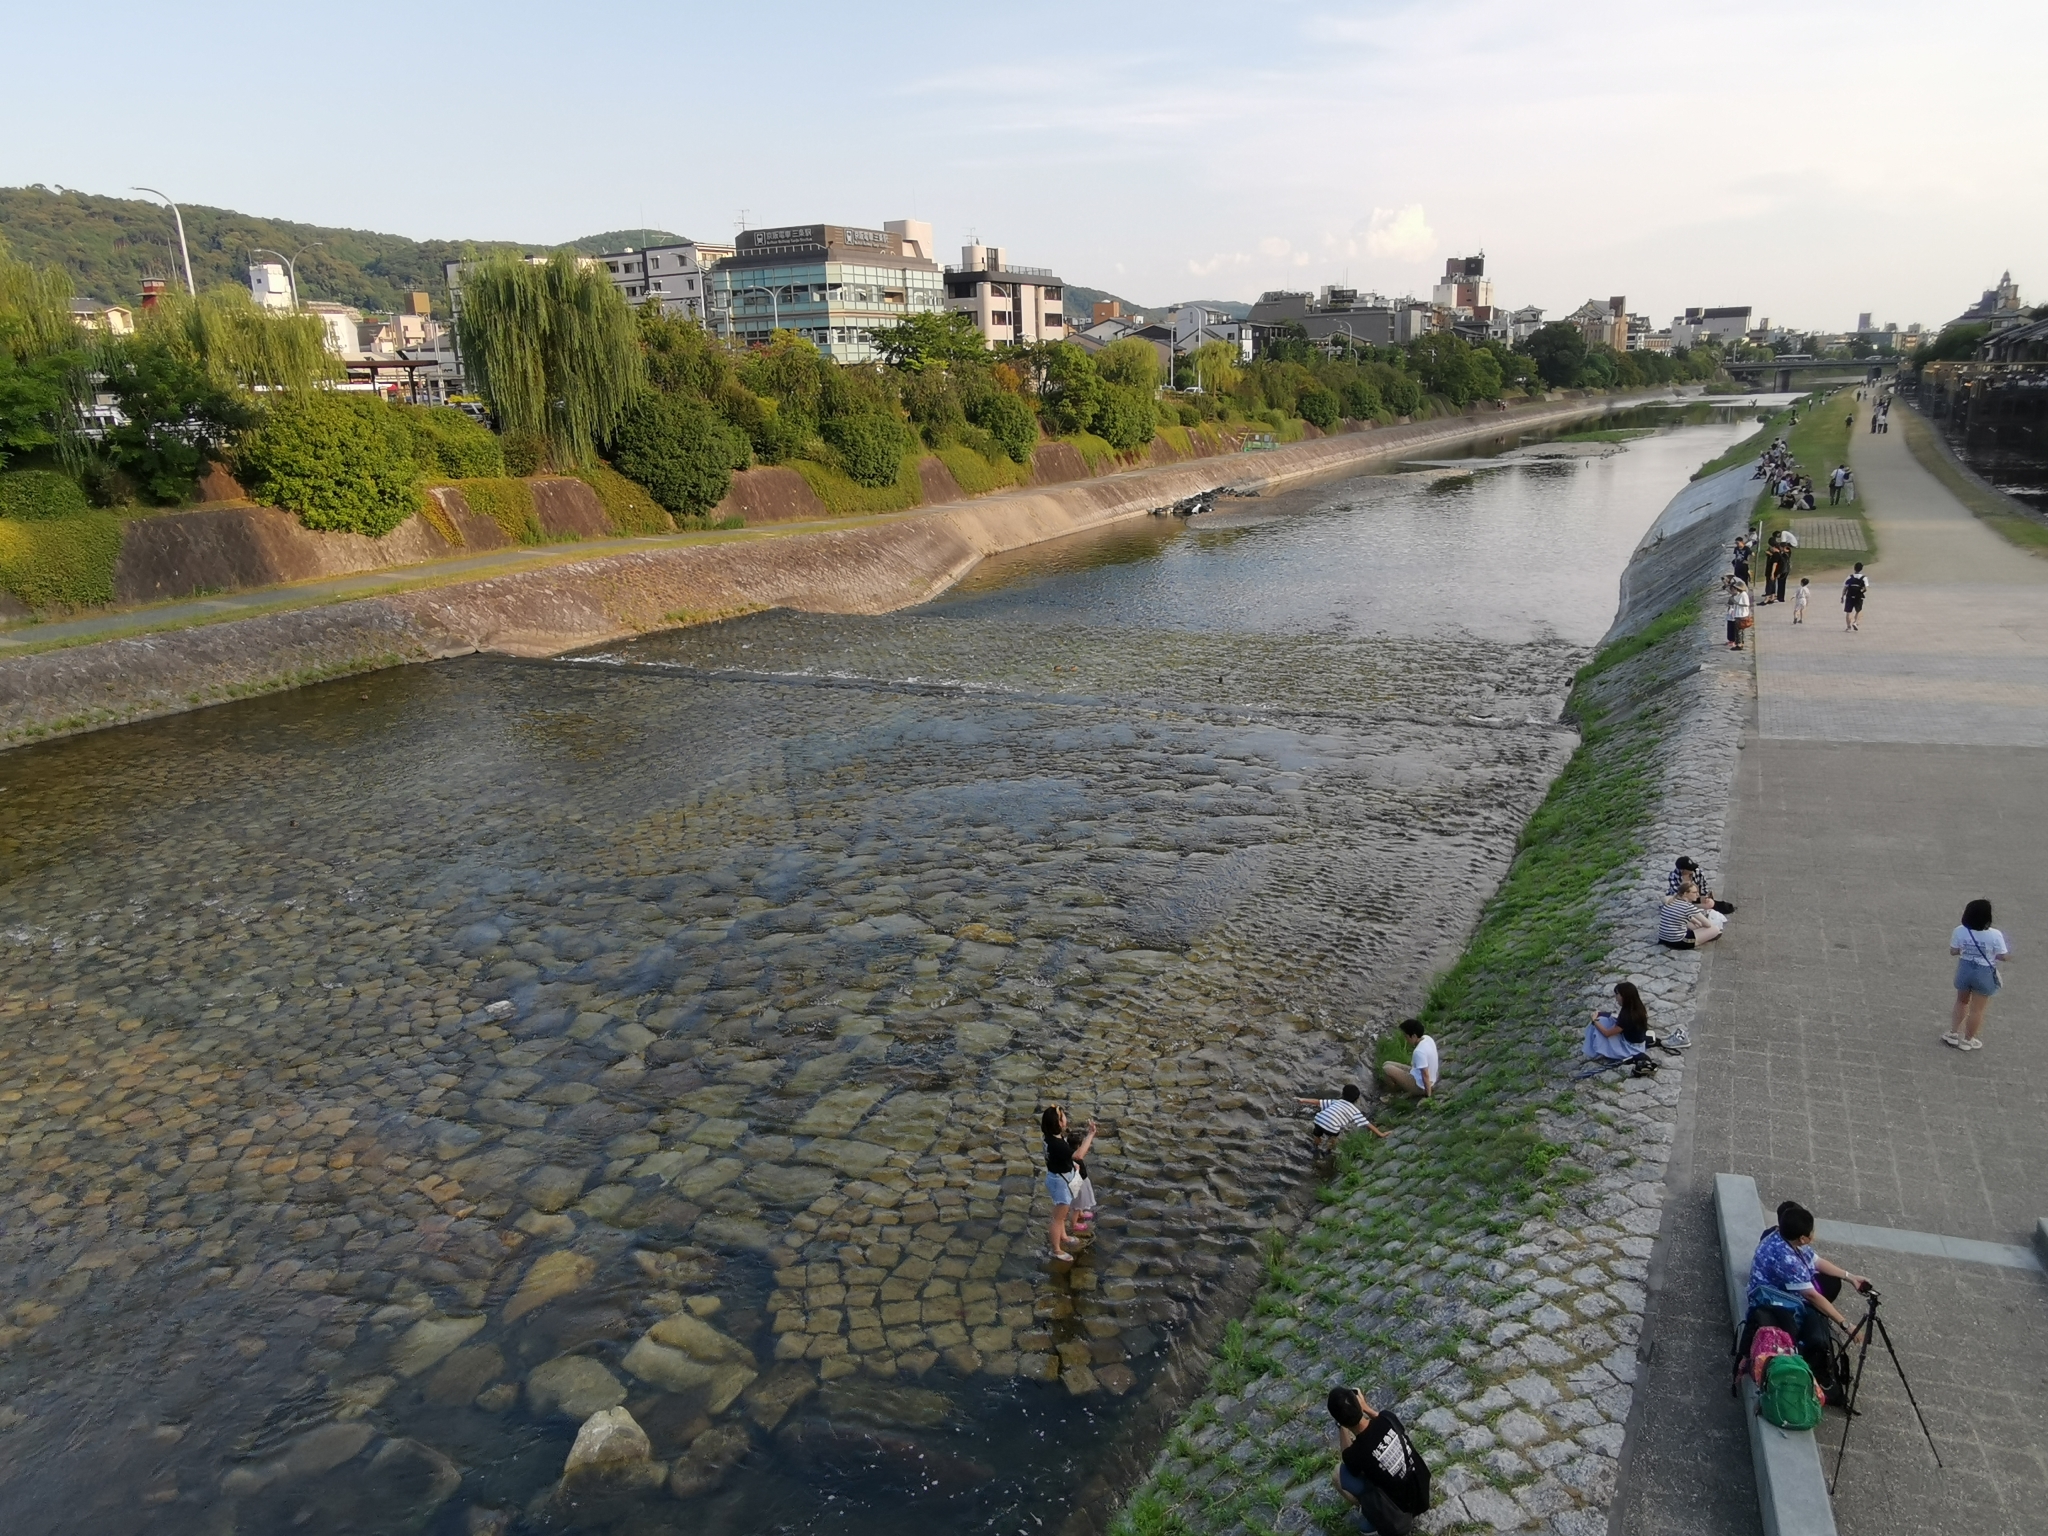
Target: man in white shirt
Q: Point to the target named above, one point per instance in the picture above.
(1419, 1077)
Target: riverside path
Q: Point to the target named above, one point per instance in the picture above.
(1890, 776)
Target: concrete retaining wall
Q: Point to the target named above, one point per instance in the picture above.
(874, 567)
(1686, 547)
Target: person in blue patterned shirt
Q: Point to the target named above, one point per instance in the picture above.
(1793, 1288)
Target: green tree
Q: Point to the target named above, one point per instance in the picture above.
(682, 357)
(930, 339)
(235, 343)
(1320, 406)
(1131, 362)
(1361, 399)
(553, 348)
(177, 418)
(43, 361)
(1009, 420)
(1559, 351)
(1070, 391)
(1125, 419)
(870, 446)
(1443, 365)
(681, 450)
(343, 463)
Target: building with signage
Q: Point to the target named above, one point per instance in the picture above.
(832, 284)
(1006, 303)
(674, 274)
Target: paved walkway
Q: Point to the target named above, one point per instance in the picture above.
(1894, 774)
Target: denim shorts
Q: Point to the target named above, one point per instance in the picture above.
(1057, 1186)
(1976, 976)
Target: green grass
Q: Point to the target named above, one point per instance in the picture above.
(1095, 452)
(1745, 450)
(60, 561)
(508, 502)
(1472, 1165)
(628, 508)
(2006, 517)
(978, 476)
(1819, 442)
(844, 496)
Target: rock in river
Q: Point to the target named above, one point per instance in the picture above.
(611, 1447)
(430, 1341)
(575, 1386)
(553, 1274)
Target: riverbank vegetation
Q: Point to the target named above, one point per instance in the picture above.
(2006, 517)
(1395, 1251)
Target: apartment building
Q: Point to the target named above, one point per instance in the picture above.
(1008, 303)
(833, 284)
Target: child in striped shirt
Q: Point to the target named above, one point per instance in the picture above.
(1338, 1118)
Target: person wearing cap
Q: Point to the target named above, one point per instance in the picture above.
(1738, 611)
(1685, 871)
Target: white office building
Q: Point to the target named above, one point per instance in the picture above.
(673, 274)
(1007, 303)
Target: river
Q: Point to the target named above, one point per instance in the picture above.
(396, 1071)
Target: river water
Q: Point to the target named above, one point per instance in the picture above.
(398, 1071)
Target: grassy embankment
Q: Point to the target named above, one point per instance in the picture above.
(1462, 1173)
(1820, 441)
(2006, 517)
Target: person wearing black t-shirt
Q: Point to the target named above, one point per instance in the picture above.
(1378, 1470)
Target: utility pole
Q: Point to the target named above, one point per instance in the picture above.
(182, 251)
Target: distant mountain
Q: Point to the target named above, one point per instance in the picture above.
(1081, 302)
(624, 240)
(110, 244)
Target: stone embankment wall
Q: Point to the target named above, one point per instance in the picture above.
(873, 567)
(1503, 1322)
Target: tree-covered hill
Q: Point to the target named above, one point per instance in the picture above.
(110, 244)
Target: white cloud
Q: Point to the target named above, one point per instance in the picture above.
(1273, 245)
(1402, 233)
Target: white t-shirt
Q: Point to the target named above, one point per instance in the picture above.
(1971, 940)
(1423, 1063)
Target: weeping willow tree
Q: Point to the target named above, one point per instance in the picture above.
(44, 371)
(237, 344)
(553, 348)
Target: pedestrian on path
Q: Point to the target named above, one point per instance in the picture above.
(1979, 949)
(1066, 1178)
(1836, 481)
(1854, 590)
(1739, 617)
(1799, 600)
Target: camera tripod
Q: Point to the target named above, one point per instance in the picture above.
(1873, 1324)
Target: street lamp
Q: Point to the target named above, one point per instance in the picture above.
(182, 251)
(291, 265)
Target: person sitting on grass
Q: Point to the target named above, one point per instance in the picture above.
(1418, 1078)
(1338, 1118)
(1623, 1033)
(1379, 1471)
(1683, 868)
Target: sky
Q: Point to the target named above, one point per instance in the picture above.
(1809, 158)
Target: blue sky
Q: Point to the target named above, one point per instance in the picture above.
(1811, 159)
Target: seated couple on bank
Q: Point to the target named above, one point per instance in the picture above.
(1690, 916)
(1793, 1288)
(1379, 1471)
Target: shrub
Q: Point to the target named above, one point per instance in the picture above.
(508, 502)
(1189, 415)
(1319, 406)
(40, 493)
(870, 447)
(978, 472)
(1361, 399)
(60, 561)
(681, 451)
(1130, 362)
(343, 463)
(627, 507)
(450, 444)
(524, 453)
(1125, 419)
(844, 496)
(1009, 420)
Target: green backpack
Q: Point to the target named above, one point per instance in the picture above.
(1787, 1397)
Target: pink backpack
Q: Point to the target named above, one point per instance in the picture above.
(1767, 1342)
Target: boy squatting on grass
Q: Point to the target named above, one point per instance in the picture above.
(1338, 1118)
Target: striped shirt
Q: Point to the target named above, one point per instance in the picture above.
(1674, 921)
(1335, 1117)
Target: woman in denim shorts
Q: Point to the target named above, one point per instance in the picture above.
(1065, 1176)
(1979, 949)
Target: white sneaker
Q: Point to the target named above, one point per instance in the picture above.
(1974, 1045)
(1952, 1038)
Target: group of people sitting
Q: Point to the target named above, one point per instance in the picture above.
(1690, 915)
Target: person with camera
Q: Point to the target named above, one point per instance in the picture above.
(1379, 1471)
(1793, 1288)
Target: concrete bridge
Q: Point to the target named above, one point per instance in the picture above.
(1783, 369)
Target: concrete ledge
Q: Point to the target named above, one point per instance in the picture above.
(2041, 1240)
(1789, 1484)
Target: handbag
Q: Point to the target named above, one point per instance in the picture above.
(1749, 621)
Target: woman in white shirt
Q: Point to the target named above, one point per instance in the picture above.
(1738, 611)
(1979, 948)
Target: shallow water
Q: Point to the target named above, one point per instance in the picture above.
(395, 1072)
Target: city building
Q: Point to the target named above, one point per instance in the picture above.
(1999, 308)
(674, 274)
(1603, 325)
(1466, 290)
(1105, 309)
(1524, 323)
(833, 284)
(114, 319)
(1007, 303)
(1094, 338)
(1640, 331)
(1196, 325)
(1339, 315)
(270, 286)
(1720, 325)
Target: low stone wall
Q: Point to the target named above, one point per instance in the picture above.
(872, 567)
(179, 553)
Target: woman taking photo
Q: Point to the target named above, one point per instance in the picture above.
(1979, 949)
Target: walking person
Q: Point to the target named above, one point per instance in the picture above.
(1066, 1179)
(1835, 483)
(1799, 600)
(1854, 590)
(1979, 949)
(1739, 617)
